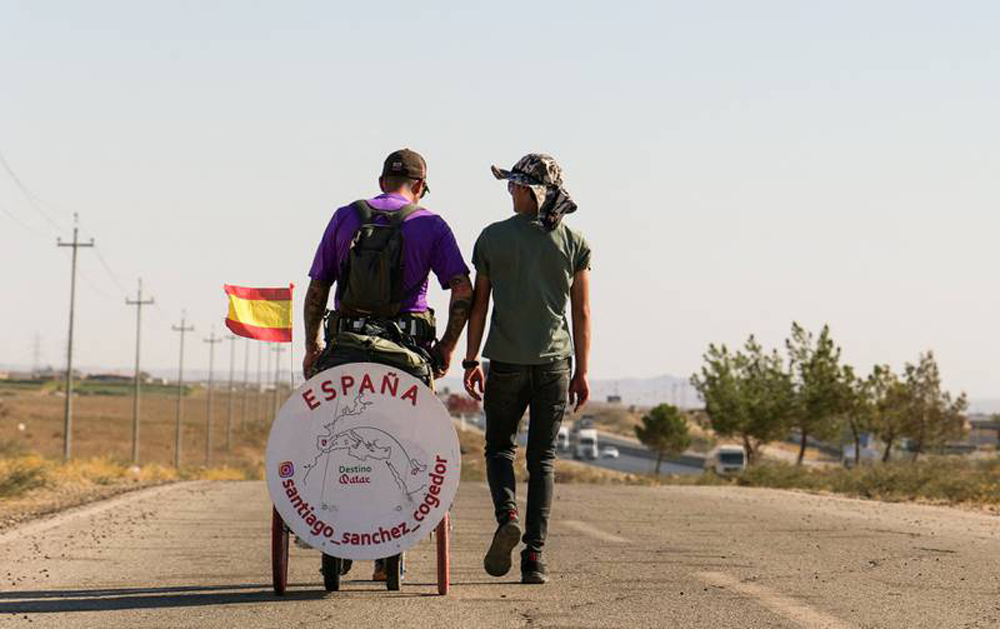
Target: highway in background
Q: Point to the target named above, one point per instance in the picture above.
(634, 458)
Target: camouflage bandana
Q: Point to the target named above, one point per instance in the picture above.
(543, 176)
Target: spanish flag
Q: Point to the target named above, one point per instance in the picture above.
(264, 314)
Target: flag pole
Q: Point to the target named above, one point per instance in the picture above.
(291, 347)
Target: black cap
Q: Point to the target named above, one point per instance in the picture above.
(405, 163)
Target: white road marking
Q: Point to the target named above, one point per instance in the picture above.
(782, 605)
(116, 502)
(592, 531)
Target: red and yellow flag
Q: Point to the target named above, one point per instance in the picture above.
(264, 314)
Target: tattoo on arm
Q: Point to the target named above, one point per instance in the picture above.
(314, 310)
(458, 312)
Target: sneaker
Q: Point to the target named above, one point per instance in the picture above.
(497, 561)
(532, 567)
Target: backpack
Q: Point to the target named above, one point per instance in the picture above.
(371, 278)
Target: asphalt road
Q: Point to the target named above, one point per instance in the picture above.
(196, 555)
(636, 459)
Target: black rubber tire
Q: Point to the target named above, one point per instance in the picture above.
(332, 569)
(393, 572)
(279, 553)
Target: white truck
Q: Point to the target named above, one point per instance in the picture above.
(586, 444)
(562, 439)
(728, 459)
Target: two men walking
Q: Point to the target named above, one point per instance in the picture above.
(531, 265)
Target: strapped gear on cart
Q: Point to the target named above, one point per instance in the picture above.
(369, 327)
(371, 279)
(401, 342)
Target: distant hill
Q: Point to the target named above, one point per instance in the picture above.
(985, 405)
(637, 391)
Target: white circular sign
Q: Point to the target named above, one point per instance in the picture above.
(362, 461)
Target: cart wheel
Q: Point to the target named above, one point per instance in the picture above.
(393, 570)
(279, 553)
(443, 555)
(332, 569)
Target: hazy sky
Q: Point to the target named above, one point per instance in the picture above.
(738, 165)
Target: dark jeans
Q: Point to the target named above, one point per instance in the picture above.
(510, 389)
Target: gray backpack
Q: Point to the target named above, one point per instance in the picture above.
(371, 278)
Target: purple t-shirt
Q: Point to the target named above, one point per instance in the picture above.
(428, 245)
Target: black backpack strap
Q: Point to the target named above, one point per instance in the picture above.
(366, 212)
(403, 213)
(363, 210)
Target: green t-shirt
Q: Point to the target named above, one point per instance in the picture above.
(531, 271)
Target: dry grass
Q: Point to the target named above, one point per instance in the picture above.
(936, 480)
(102, 427)
(34, 481)
(32, 485)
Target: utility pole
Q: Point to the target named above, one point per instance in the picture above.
(256, 395)
(68, 409)
(138, 303)
(269, 351)
(183, 329)
(246, 383)
(211, 340)
(277, 349)
(36, 354)
(229, 402)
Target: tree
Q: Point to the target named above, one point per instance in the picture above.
(860, 408)
(932, 416)
(664, 431)
(822, 396)
(888, 401)
(747, 394)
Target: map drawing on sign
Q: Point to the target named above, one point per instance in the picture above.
(365, 444)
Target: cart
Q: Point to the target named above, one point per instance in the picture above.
(365, 412)
(333, 566)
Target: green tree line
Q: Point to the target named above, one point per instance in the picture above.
(758, 396)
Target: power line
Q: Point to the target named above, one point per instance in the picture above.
(89, 281)
(33, 200)
(22, 224)
(111, 274)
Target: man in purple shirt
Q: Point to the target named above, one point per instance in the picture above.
(428, 245)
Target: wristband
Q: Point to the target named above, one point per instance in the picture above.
(470, 364)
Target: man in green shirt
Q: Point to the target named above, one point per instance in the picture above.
(532, 264)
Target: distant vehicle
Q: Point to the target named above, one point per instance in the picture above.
(609, 452)
(586, 444)
(730, 459)
(870, 451)
(562, 439)
(587, 421)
